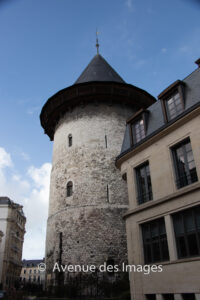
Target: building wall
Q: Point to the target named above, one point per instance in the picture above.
(179, 275)
(12, 244)
(31, 274)
(3, 226)
(91, 219)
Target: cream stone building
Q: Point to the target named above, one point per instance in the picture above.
(31, 273)
(88, 197)
(12, 225)
(160, 159)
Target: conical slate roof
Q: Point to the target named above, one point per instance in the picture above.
(99, 70)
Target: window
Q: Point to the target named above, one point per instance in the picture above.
(144, 187)
(174, 106)
(24, 271)
(188, 296)
(168, 297)
(69, 188)
(138, 130)
(30, 271)
(155, 241)
(172, 100)
(187, 232)
(151, 297)
(184, 163)
(69, 140)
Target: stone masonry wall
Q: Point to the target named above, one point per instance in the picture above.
(91, 219)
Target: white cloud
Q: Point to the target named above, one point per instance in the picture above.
(129, 4)
(25, 156)
(5, 159)
(32, 191)
(184, 49)
(40, 175)
(163, 50)
(32, 110)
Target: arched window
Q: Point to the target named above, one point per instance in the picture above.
(69, 188)
(69, 140)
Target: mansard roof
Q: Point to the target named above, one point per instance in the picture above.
(156, 121)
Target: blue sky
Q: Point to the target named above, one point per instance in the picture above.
(46, 44)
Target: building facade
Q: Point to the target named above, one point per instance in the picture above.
(12, 225)
(87, 194)
(160, 160)
(31, 274)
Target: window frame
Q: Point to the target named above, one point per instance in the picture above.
(158, 221)
(69, 188)
(176, 87)
(70, 141)
(172, 96)
(141, 197)
(133, 129)
(140, 115)
(186, 233)
(178, 176)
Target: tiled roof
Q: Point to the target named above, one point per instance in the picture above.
(156, 118)
(99, 70)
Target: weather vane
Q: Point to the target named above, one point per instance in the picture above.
(97, 42)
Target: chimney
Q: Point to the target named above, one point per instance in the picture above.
(198, 62)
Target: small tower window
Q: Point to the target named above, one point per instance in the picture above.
(69, 188)
(69, 140)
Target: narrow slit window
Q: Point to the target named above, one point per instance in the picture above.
(106, 141)
(69, 188)
(69, 140)
(107, 190)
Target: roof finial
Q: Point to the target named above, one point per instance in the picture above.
(97, 42)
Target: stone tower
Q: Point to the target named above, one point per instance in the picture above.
(88, 197)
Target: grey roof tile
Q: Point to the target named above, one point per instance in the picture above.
(99, 70)
(156, 119)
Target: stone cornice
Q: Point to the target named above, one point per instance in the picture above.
(158, 134)
(148, 205)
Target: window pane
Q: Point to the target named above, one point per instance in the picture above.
(155, 241)
(188, 296)
(184, 164)
(192, 244)
(182, 251)
(197, 214)
(168, 296)
(187, 232)
(147, 253)
(144, 188)
(151, 297)
(189, 221)
(174, 106)
(138, 130)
